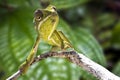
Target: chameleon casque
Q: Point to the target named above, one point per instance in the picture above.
(46, 21)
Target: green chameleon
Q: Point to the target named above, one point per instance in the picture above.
(46, 21)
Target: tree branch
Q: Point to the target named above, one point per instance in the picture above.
(79, 59)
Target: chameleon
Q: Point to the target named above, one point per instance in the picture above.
(46, 21)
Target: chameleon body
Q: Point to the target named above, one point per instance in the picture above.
(46, 21)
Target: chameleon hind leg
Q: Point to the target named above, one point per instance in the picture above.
(25, 65)
(57, 40)
(62, 41)
(66, 42)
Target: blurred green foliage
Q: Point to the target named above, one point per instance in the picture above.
(92, 26)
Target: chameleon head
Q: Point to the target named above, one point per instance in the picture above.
(41, 14)
(51, 8)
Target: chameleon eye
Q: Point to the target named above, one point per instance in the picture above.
(38, 15)
(54, 8)
(38, 18)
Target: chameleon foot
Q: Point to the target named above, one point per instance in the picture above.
(24, 67)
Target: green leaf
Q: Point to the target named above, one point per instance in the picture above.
(116, 69)
(89, 46)
(105, 19)
(13, 49)
(115, 36)
(61, 4)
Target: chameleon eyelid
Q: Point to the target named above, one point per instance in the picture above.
(38, 13)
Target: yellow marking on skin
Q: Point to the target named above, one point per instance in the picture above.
(54, 42)
(43, 21)
(55, 24)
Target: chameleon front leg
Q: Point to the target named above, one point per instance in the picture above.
(25, 65)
